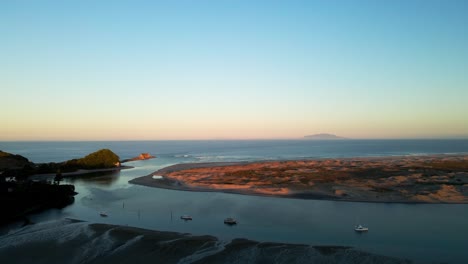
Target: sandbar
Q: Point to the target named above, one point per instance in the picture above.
(402, 179)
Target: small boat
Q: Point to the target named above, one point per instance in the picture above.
(230, 221)
(186, 217)
(360, 228)
(103, 214)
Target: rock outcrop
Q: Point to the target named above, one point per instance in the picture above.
(142, 156)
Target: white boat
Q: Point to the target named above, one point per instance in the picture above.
(360, 228)
(230, 221)
(186, 217)
(103, 214)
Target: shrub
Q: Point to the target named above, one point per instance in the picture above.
(103, 158)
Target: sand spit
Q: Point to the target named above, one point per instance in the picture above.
(68, 241)
(406, 179)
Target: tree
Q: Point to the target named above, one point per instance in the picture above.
(58, 177)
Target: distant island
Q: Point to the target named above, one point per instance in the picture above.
(322, 136)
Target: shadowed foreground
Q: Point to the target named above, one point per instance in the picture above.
(70, 241)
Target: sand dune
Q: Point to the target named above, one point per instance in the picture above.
(408, 179)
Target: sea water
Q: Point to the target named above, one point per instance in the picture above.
(419, 232)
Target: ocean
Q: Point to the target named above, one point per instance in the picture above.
(236, 150)
(424, 233)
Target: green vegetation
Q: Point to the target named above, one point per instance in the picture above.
(20, 196)
(100, 159)
(15, 165)
(8, 160)
(450, 165)
(12, 156)
(20, 167)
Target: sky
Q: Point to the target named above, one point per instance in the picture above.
(160, 70)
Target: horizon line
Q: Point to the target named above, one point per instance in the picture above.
(233, 139)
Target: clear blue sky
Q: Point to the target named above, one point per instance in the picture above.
(94, 70)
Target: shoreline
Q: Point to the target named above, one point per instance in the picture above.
(152, 183)
(132, 244)
(80, 172)
(210, 177)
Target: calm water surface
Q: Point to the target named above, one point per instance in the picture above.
(424, 233)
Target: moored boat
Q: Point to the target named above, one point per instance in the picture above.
(186, 217)
(230, 221)
(360, 228)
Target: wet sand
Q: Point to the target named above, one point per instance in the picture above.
(406, 179)
(72, 241)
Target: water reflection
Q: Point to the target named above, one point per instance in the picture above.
(440, 227)
(105, 178)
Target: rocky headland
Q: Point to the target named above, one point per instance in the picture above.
(21, 168)
(26, 187)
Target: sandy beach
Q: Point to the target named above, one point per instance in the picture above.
(405, 179)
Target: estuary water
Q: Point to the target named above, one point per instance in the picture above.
(424, 233)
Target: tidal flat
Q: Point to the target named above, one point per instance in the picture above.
(72, 241)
